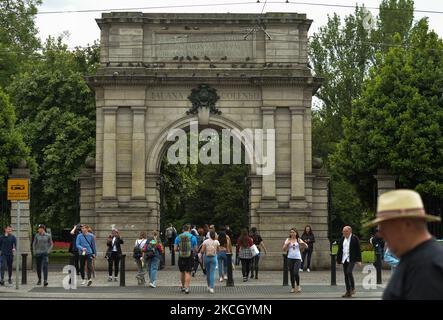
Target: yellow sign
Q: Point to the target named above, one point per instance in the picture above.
(18, 189)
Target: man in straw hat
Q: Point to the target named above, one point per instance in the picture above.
(402, 221)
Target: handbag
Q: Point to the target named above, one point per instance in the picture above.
(254, 250)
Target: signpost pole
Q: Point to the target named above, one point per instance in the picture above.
(17, 252)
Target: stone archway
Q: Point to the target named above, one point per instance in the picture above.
(151, 64)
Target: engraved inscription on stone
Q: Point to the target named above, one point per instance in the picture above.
(224, 95)
(202, 44)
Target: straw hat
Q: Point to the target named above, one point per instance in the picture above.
(399, 204)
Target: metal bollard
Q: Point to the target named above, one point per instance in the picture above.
(172, 257)
(378, 264)
(24, 268)
(230, 281)
(122, 270)
(333, 269)
(285, 270)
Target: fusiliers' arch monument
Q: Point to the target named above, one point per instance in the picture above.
(150, 64)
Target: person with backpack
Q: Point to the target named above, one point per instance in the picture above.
(209, 249)
(186, 245)
(42, 246)
(170, 233)
(114, 253)
(222, 258)
(293, 246)
(87, 249)
(138, 257)
(153, 251)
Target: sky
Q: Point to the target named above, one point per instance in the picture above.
(83, 30)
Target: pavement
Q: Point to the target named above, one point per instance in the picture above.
(315, 285)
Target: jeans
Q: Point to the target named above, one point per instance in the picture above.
(152, 267)
(114, 259)
(222, 259)
(42, 261)
(308, 253)
(294, 266)
(210, 263)
(6, 261)
(85, 259)
(349, 278)
(245, 266)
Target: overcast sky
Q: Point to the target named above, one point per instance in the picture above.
(83, 29)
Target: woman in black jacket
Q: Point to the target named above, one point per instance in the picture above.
(114, 253)
(309, 238)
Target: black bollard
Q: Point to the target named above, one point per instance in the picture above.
(285, 270)
(230, 282)
(122, 270)
(333, 269)
(378, 267)
(172, 257)
(24, 268)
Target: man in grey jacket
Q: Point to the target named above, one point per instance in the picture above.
(42, 245)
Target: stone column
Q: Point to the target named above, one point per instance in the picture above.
(25, 235)
(109, 153)
(138, 153)
(268, 181)
(385, 181)
(297, 154)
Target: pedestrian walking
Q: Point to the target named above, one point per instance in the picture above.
(197, 261)
(209, 250)
(402, 221)
(309, 238)
(42, 246)
(222, 258)
(87, 249)
(244, 244)
(75, 258)
(378, 244)
(293, 246)
(258, 241)
(349, 253)
(138, 257)
(8, 244)
(114, 253)
(171, 234)
(186, 245)
(90, 231)
(153, 251)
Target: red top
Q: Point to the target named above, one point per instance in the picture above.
(250, 242)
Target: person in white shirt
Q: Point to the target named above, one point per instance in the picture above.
(349, 254)
(210, 248)
(293, 246)
(138, 257)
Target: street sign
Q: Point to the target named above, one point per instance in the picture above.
(18, 189)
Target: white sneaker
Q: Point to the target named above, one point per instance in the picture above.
(152, 284)
(226, 277)
(300, 270)
(211, 290)
(84, 283)
(221, 279)
(309, 270)
(109, 279)
(298, 289)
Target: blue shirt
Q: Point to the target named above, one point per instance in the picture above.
(82, 242)
(193, 240)
(7, 243)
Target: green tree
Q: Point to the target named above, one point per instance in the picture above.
(56, 109)
(397, 122)
(18, 35)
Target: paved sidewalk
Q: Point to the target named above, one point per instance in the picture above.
(315, 285)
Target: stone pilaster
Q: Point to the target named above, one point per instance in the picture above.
(269, 199)
(297, 157)
(109, 153)
(138, 153)
(385, 181)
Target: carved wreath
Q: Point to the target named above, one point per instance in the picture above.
(203, 96)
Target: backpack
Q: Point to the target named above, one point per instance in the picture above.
(138, 253)
(211, 249)
(149, 249)
(184, 246)
(169, 233)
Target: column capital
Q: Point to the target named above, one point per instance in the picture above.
(138, 110)
(269, 110)
(295, 110)
(109, 110)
